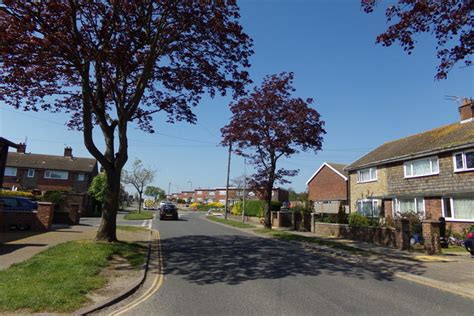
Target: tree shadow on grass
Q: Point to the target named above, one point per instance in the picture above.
(234, 259)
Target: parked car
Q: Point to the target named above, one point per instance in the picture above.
(11, 203)
(469, 243)
(169, 211)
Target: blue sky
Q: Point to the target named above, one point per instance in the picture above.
(366, 93)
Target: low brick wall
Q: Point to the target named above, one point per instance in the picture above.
(39, 220)
(375, 235)
(247, 219)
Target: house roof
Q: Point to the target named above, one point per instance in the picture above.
(338, 168)
(39, 161)
(447, 138)
(7, 142)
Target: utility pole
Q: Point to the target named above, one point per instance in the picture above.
(245, 186)
(169, 188)
(227, 184)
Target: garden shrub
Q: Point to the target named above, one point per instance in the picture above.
(358, 220)
(255, 208)
(55, 196)
(342, 216)
(24, 194)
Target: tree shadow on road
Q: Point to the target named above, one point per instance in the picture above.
(234, 259)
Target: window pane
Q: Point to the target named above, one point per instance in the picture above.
(447, 207)
(406, 206)
(421, 167)
(434, 165)
(459, 164)
(408, 170)
(419, 205)
(463, 208)
(470, 160)
(9, 171)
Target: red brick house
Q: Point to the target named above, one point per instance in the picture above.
(28, 171)
(4, 145)
(235, 194)
(328, 188)
(431, 173)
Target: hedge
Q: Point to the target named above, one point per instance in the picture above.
(24, 194)
(254, 208)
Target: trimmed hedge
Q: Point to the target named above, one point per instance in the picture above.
(17, 194)
(255, 208)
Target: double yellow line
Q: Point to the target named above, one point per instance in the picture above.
(157, 282)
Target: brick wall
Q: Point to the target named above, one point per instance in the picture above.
(327, 186)
(39, 220)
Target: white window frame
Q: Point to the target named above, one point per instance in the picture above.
(222, 192)
(31, 173)
(372, 179)
(199, 192)
(13, 174)
(464, 162)
(212, 193)
(369, 200)
(47, 174)
(81, 177)
(409, 163)
(397, 205)
(451, 203)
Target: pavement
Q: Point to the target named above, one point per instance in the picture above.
(211, 269)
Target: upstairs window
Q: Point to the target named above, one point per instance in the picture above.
(31, 173)
(212, 193)
(221, 192)
(464, 161)
(421, 167)
(80, 177)
(367, 175)
(10, 172)
(56, 174)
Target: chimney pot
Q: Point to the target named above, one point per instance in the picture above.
(21, 148)
(67, 152)
(466, 110)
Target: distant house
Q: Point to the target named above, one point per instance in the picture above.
(28, 171)
(431, 173)
(328, 188)
(235, 194)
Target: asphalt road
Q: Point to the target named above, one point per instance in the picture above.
(210, 269)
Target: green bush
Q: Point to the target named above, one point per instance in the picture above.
(17, 194)
(342, 216)
(358, 220)
(255, 208)
(55, 197)
(326, 218)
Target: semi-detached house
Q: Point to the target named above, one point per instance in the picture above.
(431, 173)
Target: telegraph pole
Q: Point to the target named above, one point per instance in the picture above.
(227, 184)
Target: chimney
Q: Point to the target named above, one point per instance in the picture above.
(21, 148)
(467, 110)
(67, 152)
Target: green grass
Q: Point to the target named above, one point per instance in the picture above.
(139, 216)
(58, 279)
(453, 248)
(132, 228)
(230, 222)
(287, 236)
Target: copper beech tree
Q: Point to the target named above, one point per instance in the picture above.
(109, 63)
(450, 21)
(270, 124)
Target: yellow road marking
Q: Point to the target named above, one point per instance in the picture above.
(157, 282)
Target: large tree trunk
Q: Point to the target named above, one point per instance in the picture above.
(108, 223)
(268, 213)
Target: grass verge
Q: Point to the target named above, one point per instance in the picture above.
(58, 279)
(134, 229)
(230, 222)
(287, 236)
(139, 216)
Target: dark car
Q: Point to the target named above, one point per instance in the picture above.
(169, 211)
(11, 203)
(469, 243)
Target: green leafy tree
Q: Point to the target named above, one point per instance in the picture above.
(155, 192)
(98, 187)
